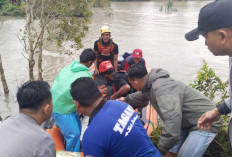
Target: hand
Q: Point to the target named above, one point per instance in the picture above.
(170, 154)
(121, 99)
(78, 111)
(205, 121)
(96, 71)
(113, 97)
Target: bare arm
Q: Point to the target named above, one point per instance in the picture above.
(116, 62)
(208, 118)
(137, 100)
(95, 65)
(123, 90)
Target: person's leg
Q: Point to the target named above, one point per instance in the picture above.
(70, 127)
(178, 145)
(77, 145)
(196, 144)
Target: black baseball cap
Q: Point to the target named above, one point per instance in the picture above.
(213, 16)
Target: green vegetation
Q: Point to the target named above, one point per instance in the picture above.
(208, 83)
(8, 9)
(155, 135)
(168, 7)
(101, 3)
(212, 86)
(3, 2)
(50, 21)
(18, 8)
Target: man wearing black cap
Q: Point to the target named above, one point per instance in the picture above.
(215, 24)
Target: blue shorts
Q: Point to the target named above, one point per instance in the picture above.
(193, 144)
(70, 127)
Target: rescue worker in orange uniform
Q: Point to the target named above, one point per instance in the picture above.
(106, 49)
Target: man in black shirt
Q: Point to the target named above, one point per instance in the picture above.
(118, 80)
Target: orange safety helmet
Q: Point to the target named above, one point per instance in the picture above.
(104, 66)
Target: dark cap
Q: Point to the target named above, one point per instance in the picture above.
(213, 16)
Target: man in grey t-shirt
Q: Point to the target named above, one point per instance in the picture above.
(21, 135)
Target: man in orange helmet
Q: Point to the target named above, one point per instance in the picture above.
(117, 80)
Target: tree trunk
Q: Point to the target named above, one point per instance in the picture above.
(31, 60)
(40, 69)
(31, 65)
(4, 84)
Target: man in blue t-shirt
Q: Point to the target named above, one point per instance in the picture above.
(114, 128)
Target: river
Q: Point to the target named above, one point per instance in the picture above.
(134, 25)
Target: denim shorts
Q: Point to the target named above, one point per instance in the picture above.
(193, 144)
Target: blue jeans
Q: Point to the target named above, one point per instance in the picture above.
(70, 127)
(193, 144)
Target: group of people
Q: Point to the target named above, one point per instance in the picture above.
(190, 121)
(111, 83)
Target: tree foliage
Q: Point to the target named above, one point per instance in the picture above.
(3, 2)
(63, 20)
(8, 9)
(53, 20)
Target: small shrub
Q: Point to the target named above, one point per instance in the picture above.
(101, 3)
(155, 135)
(208, 83)
(3, 2)
(168, 7)
(13, 9)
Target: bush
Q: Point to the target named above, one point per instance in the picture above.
(168, 7)
(155, 135)
(3, 2)
(208, 83)
(100, 3)
(13, 9)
